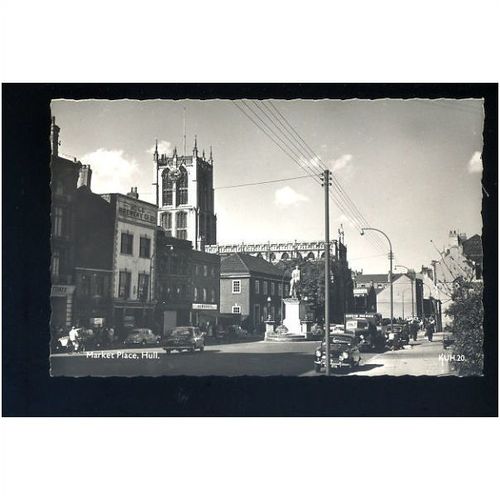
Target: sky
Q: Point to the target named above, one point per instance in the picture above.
(412, 168)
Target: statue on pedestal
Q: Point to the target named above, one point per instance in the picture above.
(294, 282)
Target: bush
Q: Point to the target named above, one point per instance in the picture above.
(467, 327)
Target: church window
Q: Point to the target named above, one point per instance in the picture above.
(181, 225)
(58, 221)
(167, 188)
(182, 188)
(166, 222)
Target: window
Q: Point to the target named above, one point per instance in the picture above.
(85, 286)
(167, 188)
(58, 221)
(204, 295)
(273, 288)
(166, 223)
(280, 290)
(182, 188)
(212, 295)
(236, 309)
(145, 248)
(181, 225)
(59, 187)
(264, 286)
(236, 286)
(124, 285)
(100, 285)
(127, 243)
(257, 286)
(143, 286)
(205, 270)
(195, 294)
(55, 263)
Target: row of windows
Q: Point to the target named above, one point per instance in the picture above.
(204, 270)
(203, 296)
(268, 288)
(265, 288)
(127, 245)
(125, 281)
(97, 287)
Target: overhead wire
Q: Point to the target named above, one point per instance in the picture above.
(301, 154)
(298, 156)
(357, 214)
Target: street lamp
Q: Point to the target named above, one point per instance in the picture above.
(408, 273)
(391, 256)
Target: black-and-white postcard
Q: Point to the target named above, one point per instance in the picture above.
(199, 240)
(266, 237)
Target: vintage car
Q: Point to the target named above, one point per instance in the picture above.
(344, 352)
(394, 337)
(142, 336)
(184, 338)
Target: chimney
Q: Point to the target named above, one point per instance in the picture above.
(453, 238)
(54, 137)
(133, 193)
(84, 176)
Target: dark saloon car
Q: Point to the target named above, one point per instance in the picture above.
(344, 352)
(184, 338)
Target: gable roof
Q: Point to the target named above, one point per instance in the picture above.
(376, 278)
(473, 248)
(244, 263)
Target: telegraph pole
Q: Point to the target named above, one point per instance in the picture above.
(326, 184)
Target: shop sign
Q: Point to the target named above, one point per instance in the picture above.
(61, 290)
(130, 210)
(205, 307)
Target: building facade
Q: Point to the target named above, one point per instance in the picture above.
(281, 251)
(94, 256)
(185, 197)
(187, 284)
(252, 287)
(462, 258)
(64, 177)
(407, 293)
(133, 260)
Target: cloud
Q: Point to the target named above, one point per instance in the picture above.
(475, 165)
(164, 147)
(286, 196)
(341, 163)
(112, 171)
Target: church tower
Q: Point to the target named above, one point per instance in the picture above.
(185, 196)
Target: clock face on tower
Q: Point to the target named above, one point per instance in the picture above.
(176, 174)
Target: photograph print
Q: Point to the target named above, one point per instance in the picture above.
(266, 237)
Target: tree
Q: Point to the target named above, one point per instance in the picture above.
(312, 286)
(467, 327)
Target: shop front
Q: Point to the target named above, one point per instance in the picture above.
(61, 302)
(204, 314)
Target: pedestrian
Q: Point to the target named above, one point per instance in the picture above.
(429, 331)
(73, 337)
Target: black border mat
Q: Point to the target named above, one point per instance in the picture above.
(28, 389)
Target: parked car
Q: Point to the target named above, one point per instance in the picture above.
(344, 352)
(394, 337)
(184, 338)
(142, 336)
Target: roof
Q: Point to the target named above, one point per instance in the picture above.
(376, 278)
(244, 263)
(473, 247)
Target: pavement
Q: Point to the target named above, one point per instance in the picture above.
(418, 358)
(248, 358)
